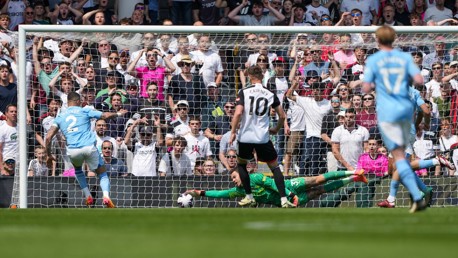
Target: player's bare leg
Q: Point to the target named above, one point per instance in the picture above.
(105, 185)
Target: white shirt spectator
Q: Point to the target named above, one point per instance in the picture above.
(39, 169)
(320, 10)
(296, 115)
(365, 6)
(313, 112)
(8, 136)
(181, 166)
(351, 143)
(197, 147)
(433, 87)
(211, 64)
(432, 13)
(107, 138)
(144, 161)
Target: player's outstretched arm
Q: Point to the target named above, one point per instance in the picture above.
(109, 115)
(48, 140)
(290, 92)
(225, 194)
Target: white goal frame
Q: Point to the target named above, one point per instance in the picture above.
(23, 29)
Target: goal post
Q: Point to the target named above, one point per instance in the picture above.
(79, 31)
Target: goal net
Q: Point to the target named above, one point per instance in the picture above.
(179, 86)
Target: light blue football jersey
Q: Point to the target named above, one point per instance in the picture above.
(75, 124)
(392, 73)
(417, 101)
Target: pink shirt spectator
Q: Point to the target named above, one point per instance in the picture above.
(347, 57)
(377, 166)
(146, 75)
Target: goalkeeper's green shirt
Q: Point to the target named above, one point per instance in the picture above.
(263, 189)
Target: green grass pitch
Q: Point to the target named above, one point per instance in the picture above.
(234, 233)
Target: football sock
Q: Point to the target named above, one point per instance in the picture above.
(420, 183)
(283, 199)
(245, 178)
(81, 178)
(331, 186)
(105, 184)
(279, 181)
(336, 174)
(426, 163)
(394, 186)
(408, 178)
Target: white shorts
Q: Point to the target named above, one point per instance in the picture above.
(395, 134)
(88, 154)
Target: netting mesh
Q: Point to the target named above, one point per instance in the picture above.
(156, 76)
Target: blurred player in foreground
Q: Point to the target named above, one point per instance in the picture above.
(392, 71)
(75, 124)
(300, 190)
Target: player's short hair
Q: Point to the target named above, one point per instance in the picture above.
(73, 96)
(385, 35)
(52, 97)
(181, 140)
(256, 72)
(5, 66)
(195, 118)
(350, 110)
(39, 147)
(257, 2)
(66, 63)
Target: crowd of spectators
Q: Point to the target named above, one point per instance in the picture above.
(180, 89)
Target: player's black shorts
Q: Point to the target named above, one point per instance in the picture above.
(264, 151)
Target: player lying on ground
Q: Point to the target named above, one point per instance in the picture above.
(300, 190)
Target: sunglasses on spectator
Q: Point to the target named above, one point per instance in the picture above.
(113, 58)
(29, 13)
(150, 55)
(343, 89)
(315, 51)
(103, 45)
(146, 134)
(325, 19)
(262, 60)
(229, 107)
(81, 64)
(335, 101)
(107, 148)
(252, 39)
(437, 67)
(186, 64)
(231, 156)
(355, 14)
(368, 98)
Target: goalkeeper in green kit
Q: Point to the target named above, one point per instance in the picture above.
(299, 190)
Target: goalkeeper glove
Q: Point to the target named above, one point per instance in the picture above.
(294, 199)
(195, 193)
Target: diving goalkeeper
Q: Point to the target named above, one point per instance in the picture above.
(299, 190)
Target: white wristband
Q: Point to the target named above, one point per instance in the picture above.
(119, 114)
